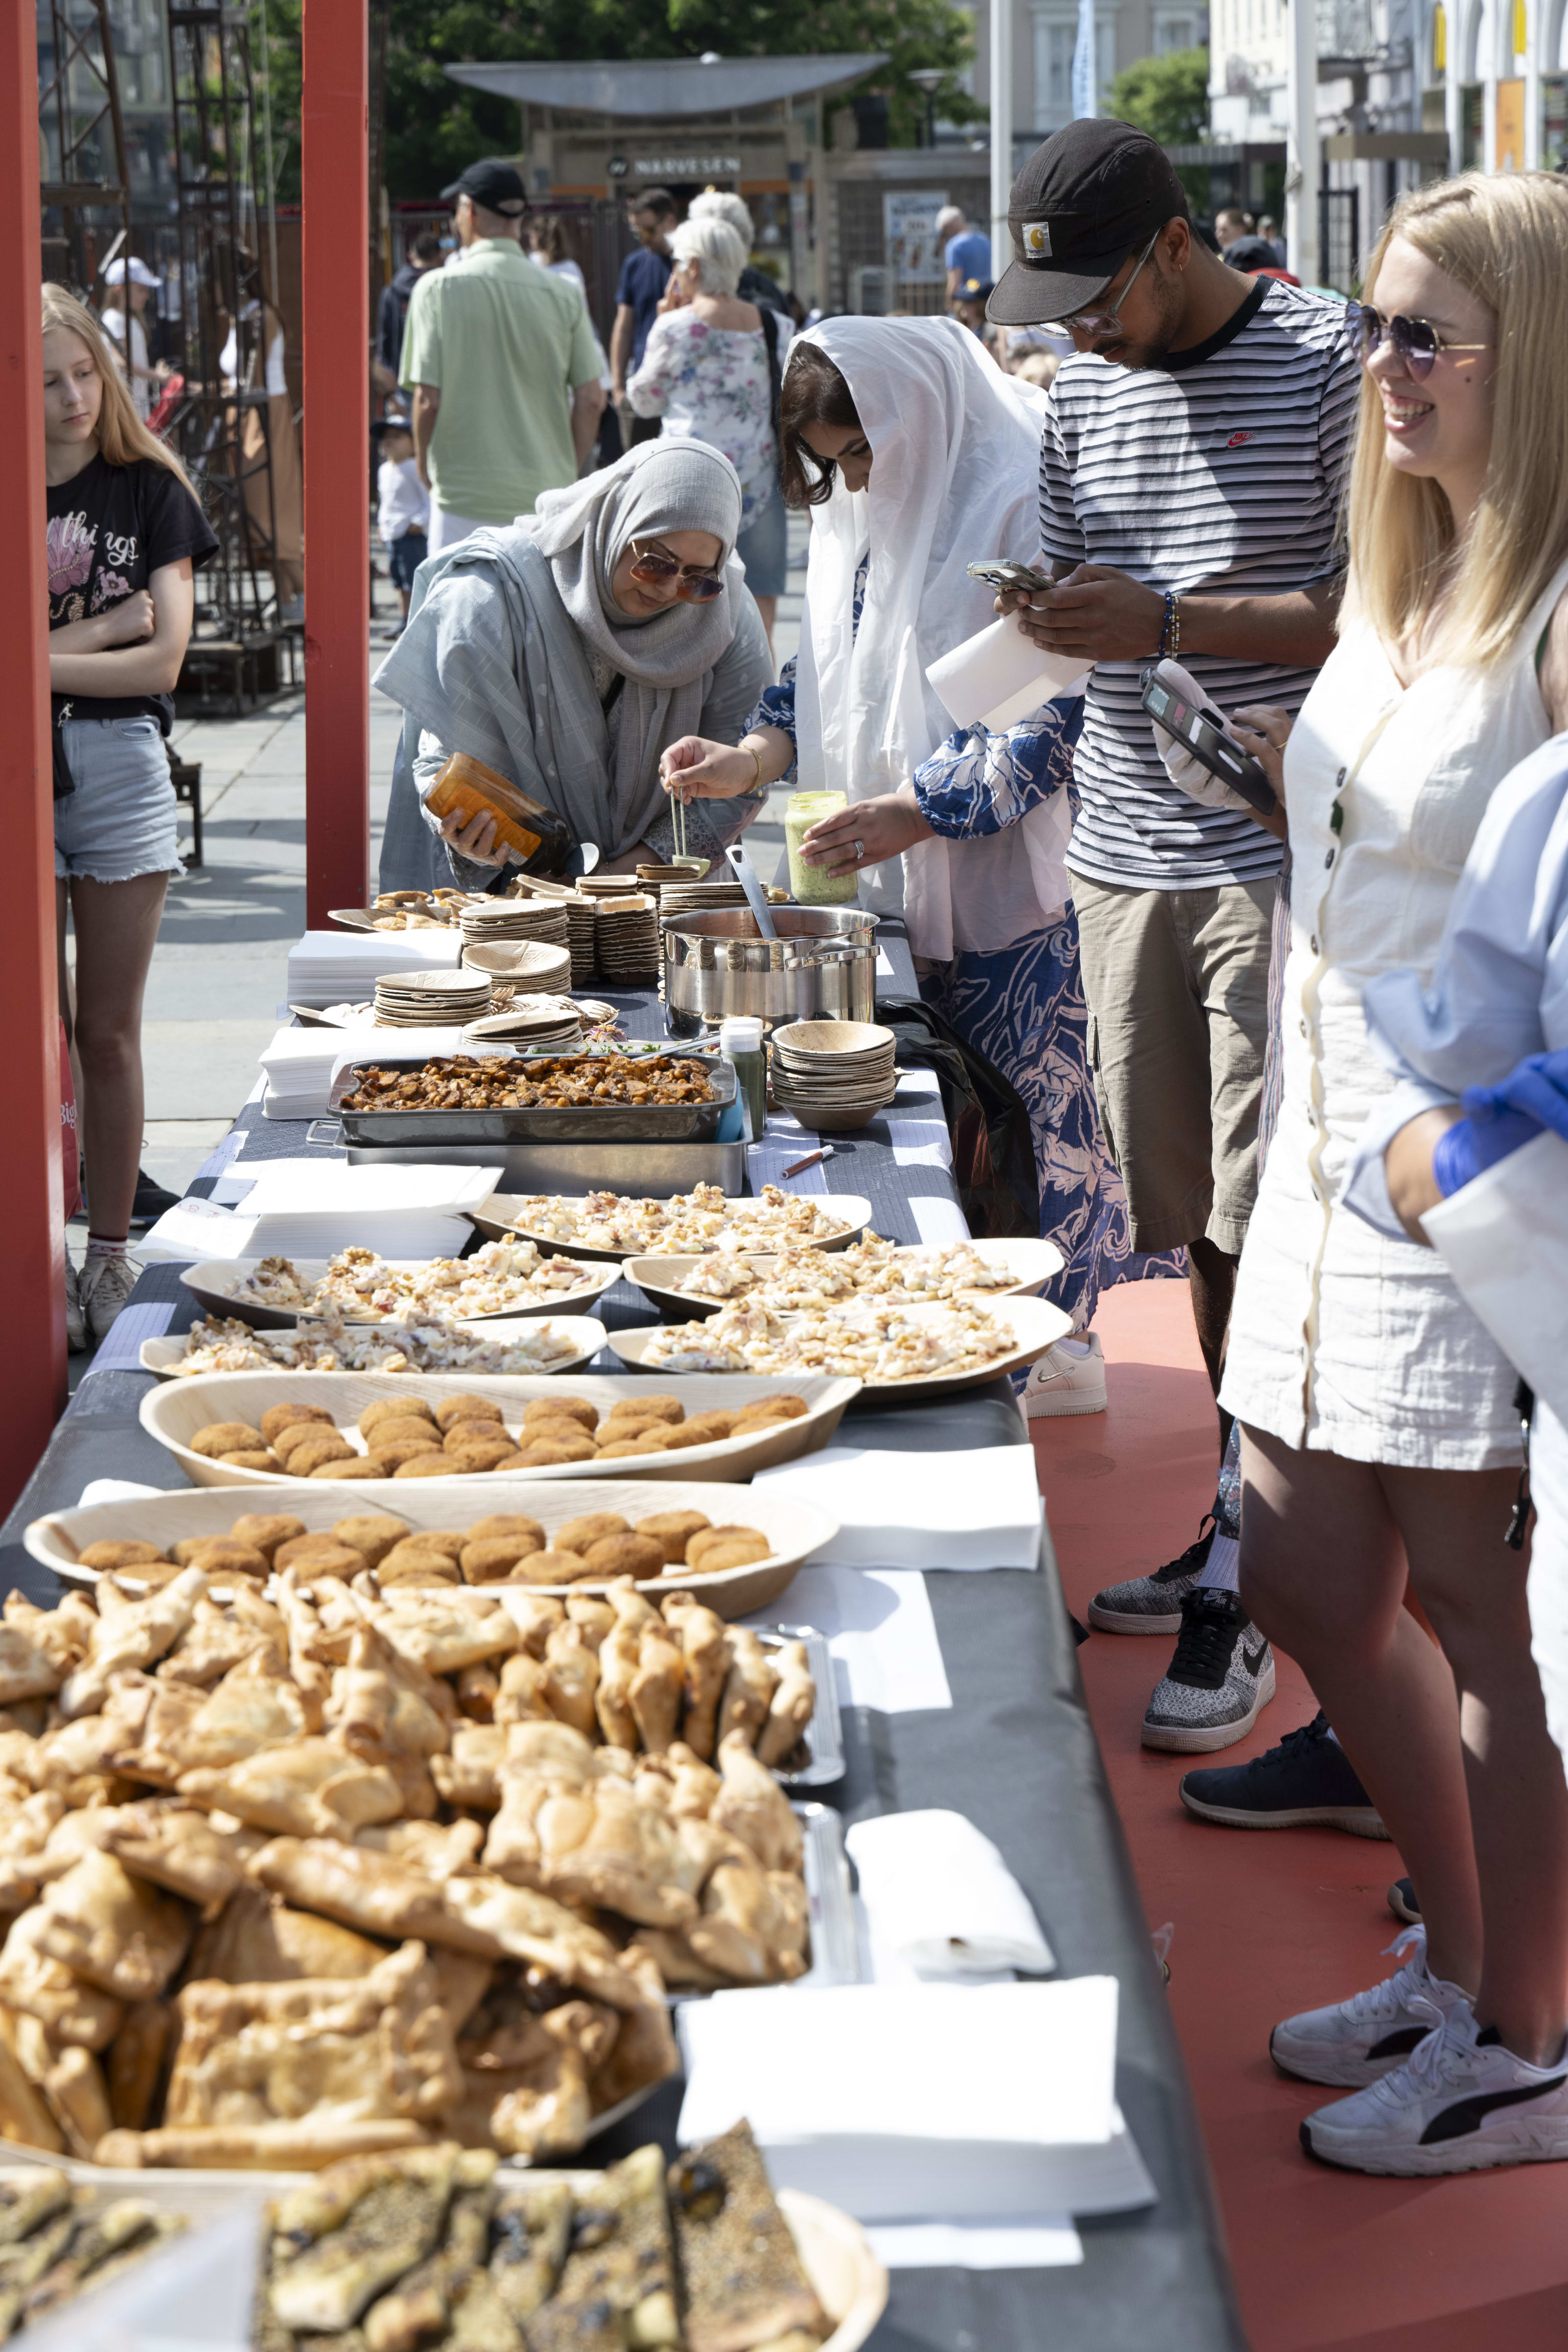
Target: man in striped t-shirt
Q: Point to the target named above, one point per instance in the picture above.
(1190, 477)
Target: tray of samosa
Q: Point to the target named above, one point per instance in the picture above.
(338, 1870)
(234, 1429)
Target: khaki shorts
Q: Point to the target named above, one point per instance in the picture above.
(1177, 983)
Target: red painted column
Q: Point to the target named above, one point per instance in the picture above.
(336, 332)
(31, 1211)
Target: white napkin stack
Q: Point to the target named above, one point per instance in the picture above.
(939, 1901)
(300, 1063)
(313, 1208)
(980, 1509)
(342, 967)
(909, 2102)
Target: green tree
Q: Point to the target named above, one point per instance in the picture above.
(435, 126)
(1167, 96)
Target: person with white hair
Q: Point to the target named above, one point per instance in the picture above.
(711, 370)
(755, 286)
(965, 251)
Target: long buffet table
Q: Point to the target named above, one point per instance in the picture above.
(1015, 1752)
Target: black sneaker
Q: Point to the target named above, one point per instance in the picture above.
(1152, 1604)
(151, 1200)
(1218, 1683)
(1307, 1782)
(1404, 1902)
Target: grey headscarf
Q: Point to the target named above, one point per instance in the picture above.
(498, 658)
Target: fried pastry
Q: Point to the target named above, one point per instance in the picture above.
(279, 1417)
(465, 1407)
(573, 1408)
(357, 1466)
(552, 1567)
(626, 1555)
(749, 1687)
(320, 1554)
(791, 1706)
(220, 1437)
(372, 1533)
(253, 1460)
(751, 1804)
(264, 1531)
(578, 1534)
(477, 1455)
(672, 1531)
(396, 1443)
(394, 1407)
(426, 1465)
(655, 1405)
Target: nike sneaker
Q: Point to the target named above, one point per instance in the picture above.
(1218, 1683)
(1152, 1604)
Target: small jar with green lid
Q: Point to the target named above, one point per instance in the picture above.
(814, 886)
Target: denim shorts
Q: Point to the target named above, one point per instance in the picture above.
(404, 556)
(763, 548)
(120, 821)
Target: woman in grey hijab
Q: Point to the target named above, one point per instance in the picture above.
(567, 653)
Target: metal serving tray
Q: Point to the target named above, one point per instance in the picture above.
(608, 1123)
(822, 1738)
(654, 1172)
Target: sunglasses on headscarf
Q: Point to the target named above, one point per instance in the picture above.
(695, 583)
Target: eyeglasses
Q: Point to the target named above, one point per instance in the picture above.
(1097, 322)
(1415, 341)
(694, 584)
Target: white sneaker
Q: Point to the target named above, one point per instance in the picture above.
(1361, 2040)
(1069, 1378)
(76, 1325)
(104, 1287)
(1462, 2103)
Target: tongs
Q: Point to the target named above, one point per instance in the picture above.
(756, 897)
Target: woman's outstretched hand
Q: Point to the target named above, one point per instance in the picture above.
(866, 833)
(700, 771)
(476, 840)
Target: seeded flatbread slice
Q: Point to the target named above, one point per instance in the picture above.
(740, 2277)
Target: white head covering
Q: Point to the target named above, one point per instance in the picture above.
(955, 449)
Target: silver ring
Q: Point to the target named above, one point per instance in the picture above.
(860, 849)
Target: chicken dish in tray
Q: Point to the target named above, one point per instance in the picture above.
(701, 1220)
(424, 1342)
(458, 1082)
(872, 1341)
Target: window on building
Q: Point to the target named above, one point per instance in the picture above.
(1055, 38)
(1172, 32)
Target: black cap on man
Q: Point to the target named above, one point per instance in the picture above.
(494, 186)
(1092, 195)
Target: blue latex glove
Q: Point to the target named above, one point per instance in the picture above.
(1537, 1088)
(1462, 1150)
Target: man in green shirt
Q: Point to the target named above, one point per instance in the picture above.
(502, 363)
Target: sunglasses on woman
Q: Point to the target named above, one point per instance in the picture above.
(1416, 342)
(694, 582)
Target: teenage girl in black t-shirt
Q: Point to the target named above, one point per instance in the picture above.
(125, 534)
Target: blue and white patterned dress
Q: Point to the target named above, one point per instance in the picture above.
(1023, 1006)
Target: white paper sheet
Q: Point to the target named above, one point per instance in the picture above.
(122, 1351)
(879, 1631)
(1026, 2242)
(920, 1143)
(978, 1509)
(938, 1220)
(939, 1899)
(113, 1490)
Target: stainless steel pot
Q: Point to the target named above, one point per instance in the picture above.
(822, 966)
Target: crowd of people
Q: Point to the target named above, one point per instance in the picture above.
(1303, 1045)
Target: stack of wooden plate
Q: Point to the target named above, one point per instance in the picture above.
(539, 967)
(678, 898)
(833, 1076)
(430, 1000)
(515, 919)
(544, 1024)
(626, 939)
(580, 936)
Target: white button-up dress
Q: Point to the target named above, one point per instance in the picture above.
(1343, 1339)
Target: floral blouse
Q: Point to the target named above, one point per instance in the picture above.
(975, 782)
(711, 383)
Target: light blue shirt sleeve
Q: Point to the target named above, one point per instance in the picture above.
(1499, 987)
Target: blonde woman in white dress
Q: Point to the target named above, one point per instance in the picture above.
(1379, 1426)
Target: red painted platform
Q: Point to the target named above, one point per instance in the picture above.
(1268, 1924)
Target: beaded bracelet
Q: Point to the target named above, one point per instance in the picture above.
(1171, 635)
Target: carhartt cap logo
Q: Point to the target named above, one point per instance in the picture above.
(1038, 240)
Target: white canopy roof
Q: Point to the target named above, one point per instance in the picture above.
(651, 87)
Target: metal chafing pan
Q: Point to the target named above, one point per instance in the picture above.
(580, 1123)
(823, 965)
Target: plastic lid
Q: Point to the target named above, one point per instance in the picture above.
(742, 1032)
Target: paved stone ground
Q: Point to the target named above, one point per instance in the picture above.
(219, 972)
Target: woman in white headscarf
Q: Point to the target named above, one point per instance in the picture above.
(566, 653)
(916, 455)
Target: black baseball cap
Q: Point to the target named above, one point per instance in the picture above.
(1085, 200)
(496, 185)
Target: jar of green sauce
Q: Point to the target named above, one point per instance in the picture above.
(814, 886)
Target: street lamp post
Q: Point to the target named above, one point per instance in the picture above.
(930, 79)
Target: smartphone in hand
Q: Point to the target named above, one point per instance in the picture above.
(1209, 747)
(1001, 575)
